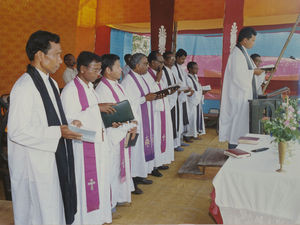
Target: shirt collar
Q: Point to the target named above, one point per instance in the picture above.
(89, 85)
(112, 82)
(43, 75)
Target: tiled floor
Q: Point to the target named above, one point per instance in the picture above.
(169, 200)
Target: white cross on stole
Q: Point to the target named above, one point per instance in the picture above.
(91, 183)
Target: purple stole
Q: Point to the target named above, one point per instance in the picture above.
(122, 145)
(162, 117)
(90, 169)
(148, 136)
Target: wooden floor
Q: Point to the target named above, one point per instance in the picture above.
(169, 200)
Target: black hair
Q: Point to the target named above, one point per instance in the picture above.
(191, 64)
(85, 58)
(67, 56)
(254, 56)
(40, 41)
(152, 56)
(180, 53)
(127, 57)
(108, 60)
(166, 54)
(135, 59)
(246, 32)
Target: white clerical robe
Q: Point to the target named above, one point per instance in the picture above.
(161, 105)
(121, 191)
(91, 120)
(237, 90)
(173, 98)
(69, 74)
(182, 97)
(197, 99)
(139, 166)
(35, 188)
(259, 80)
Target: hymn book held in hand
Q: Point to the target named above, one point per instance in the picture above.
(123, 114)
(87, 135)
(268, 67)
(129, 142)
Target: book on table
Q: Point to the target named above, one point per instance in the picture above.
(237, 153)
(129, 141)
(248, 140)
(123, 114)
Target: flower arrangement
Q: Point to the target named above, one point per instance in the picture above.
(285, 126)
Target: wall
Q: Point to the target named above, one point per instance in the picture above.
(20, 18)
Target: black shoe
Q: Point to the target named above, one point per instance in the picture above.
(140, 180)
(187, 139)
(137, 190)
(197, 138)
(163, 167)
(156, 173)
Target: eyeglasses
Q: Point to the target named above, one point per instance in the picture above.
(161, 62)
(95, 70)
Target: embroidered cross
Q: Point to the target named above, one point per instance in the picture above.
(163, 137)
(147, 141)
(91, 183)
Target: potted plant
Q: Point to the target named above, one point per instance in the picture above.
(284, 126)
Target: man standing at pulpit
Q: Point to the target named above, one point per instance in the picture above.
(239, 86)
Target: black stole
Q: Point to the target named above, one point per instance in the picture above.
(250, 67)
(173, 112)
(64, 156)
(184, 107)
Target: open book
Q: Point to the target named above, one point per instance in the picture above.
(167, 91)
(87, 135)
(237, 153)
(206, 88)
(267, 67)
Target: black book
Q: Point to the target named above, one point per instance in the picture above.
(167, 91)
(129, 142)
(123, 114)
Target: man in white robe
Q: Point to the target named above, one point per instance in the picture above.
(196, 100)
(34, 142)
(237, 90)
(126, 68)
(70, 72)
(169, 80)
(163, 135)
(109, 90)
(142, 157)
(181, 78)
(261, 78)
(81, 106)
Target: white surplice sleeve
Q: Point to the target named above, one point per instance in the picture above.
(27, 121)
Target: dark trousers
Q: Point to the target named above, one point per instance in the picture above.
(231, 146)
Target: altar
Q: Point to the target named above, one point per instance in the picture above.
(250, 191)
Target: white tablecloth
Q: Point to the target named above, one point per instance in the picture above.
(249, 190)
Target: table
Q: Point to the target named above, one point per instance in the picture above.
(249, 190)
